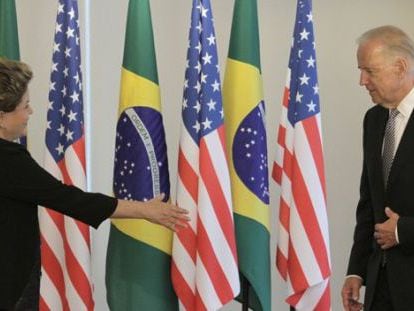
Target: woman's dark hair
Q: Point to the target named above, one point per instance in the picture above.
(14, 78)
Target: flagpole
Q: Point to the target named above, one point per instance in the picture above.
(246, 288)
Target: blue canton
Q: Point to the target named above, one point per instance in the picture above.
(65, 112)
(304, 90)
(202, 106)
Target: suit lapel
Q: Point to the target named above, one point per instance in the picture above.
(405, 151)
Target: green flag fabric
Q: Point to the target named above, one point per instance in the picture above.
(139, 252)
(244, 113)
(9, 38)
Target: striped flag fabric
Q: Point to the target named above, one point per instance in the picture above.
(302, 256)
(247, 152)
(138, 264)
(9, 37)
(65, 243)
(204, 268)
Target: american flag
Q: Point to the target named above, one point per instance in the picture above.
(204, 268)
(66, 282)
(302, 256)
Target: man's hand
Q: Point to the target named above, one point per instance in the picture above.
(350, 294)
(385, 232)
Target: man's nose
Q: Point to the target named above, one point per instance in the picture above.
(363, 78)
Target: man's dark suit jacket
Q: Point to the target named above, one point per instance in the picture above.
(24, 185)
(366, 255)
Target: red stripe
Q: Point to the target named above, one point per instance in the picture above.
(182, 289)
(309, 220)
(216, 195)
(296, 274)
(187, 175)
(281, 137)
(54, 271)
(79, 147)
(286, 95)
(281, 264)
(188, 239)
(213, 267)
(312, 134)
(325, 301)
(284, 214)
(200, 306)
(42, 305)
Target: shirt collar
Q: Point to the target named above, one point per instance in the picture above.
(406, 106)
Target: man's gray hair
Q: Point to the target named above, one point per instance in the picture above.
(396, 41)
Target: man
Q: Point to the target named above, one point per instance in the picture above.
(382, 255)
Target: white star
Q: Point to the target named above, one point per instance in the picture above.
(56, 47)
(304, 34)
(77, 40)
(58, 28)
(198, 87)
(198, 47)
(59, 149)
(66, 72)
(211, 40)
(72, 116)
(197, 106)
(77, 78)
(299, 97)
(316, 89)
(203, 78)
(187, 63)
(216, 86)
(185, 83)
(207, 58)
(310, 17)
(64, 91)
(52, 86)
(311, 62)
(211, 105)
(185, 103)
(67, 52)
(222, 113)
(70, 33)
(60, 8)
(75, 97)
(311, 106)
(198, 67)
(300, 53)
(207, 124)
(71, 13)
(54, 67)
(61, 129)
(62, 110)
(199, 27)
(50, 106)
(204, 12)
(69, 135)
(304, 79)
(196, 126)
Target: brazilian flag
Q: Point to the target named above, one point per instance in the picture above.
(244, 113)
(139, 253)
(9, 38)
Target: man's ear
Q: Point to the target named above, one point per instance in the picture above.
(402, 66)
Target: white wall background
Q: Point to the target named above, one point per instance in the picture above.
(337, 24)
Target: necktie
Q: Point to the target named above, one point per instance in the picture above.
(389, 144)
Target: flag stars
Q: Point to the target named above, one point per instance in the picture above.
(198, 67)
(67, 52)
(198, 86)
(77, 78)
(196, 126)
(70, 33)
(61, 129)
(211, 40)
(63, 91)
(216, 86)
(310, 17)
(304, 79)
(59, 149)
(60, 8)
(304, 34)
(56, 47)
(207, 124)
(72, 116)
(75, 97)
(62, 110)
(197, 106)
(316, 89)
(54, 67)
(311, 106)
(66, 72)
(71, 13)
(199, 27)
(198, 47)
(204, 11)
(311, 62)
(203, 78)
(211, 105)
(69, 135)
(207, 58)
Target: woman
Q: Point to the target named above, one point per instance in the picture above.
(24, 185)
